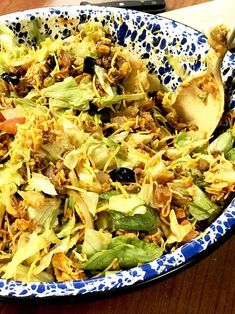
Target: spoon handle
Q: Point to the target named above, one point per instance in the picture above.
(230, 39)
(148, 6)
(220, 40)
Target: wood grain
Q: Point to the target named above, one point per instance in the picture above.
(208, 287)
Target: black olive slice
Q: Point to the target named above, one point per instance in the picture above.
(89, 65)
(123, 175)
(11, 78)
(51, 62)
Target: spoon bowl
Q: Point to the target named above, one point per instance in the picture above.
(199, 100)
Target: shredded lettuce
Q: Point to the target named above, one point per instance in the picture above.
(177, 232)
(129, 252)
(9, 174)
(107, 101)
(94, 30)
(45, 214)
(57, 149)
(63, 245)
(39, 182)
(230, 155)
(190, 141)
(7, 38)
(99, 152)
(23, 274)
(34, 31)
(95, 241)
(32, 246)
(130, 205)
(102, 77)
(91, 200)
(201, 207)
(81, 209)
(139, 222)
(75, 135)
(67, 228)
(7, 192)
(12, 54)
(223, 143)
(69, 94)
(72, 158)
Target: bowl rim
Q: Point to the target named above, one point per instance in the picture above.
(192, 250)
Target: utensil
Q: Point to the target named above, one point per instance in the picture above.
(149, 6)
(200, 100)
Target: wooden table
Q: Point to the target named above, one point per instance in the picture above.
(208, 287)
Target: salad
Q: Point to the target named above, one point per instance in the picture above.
(97, 172)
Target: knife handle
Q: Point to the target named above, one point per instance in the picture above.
(150, 6)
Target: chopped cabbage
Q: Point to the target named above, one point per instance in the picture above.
(32, 246)
(39, 182)
(177, 231)
(201, 207)
(45, 214)
(69, 94)
(130, 205)
(95, 241)
(223, 143)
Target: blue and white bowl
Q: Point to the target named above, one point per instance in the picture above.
(152, 37)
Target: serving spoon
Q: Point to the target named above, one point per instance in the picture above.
(199, 100)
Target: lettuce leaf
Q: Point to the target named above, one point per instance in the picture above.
(72, 158)
(75, 135)
(95, 241)
(99, 152)
(230, 155)
(106, 195)
(23, 274)
(91, 200)
(56, 149)
(34, 31)
(94, 30)
(130, 205)
(223, 143)
(45, 214)
(129, 252)
(7, 38)
(7, 191)
(9, 174)
(41, 183)
(63, 245)
(145, 222)
(11, 53)
(67, 228)
(178, 232)
(190, 141)
(69, 94)
(34, 245)
(201, 207)
(33, 198)
(101, 75)
(81, 209)
(107, 101)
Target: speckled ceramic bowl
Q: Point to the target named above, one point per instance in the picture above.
(152, 37)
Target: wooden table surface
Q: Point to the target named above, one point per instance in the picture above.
(208, 287)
